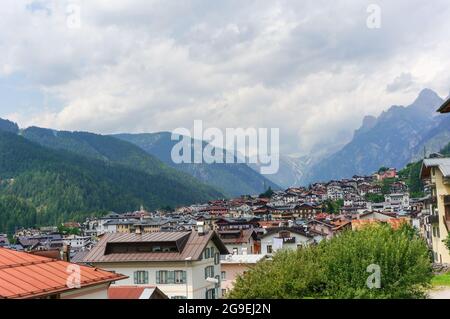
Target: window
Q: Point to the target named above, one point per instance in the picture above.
(210, 294)
(209, 272)
(162, 277)
(212, 251)
(207, 253)
(235, 251)
(224, 275)
(171, 277)
(269, 249)
(141, 277)
(180, 277)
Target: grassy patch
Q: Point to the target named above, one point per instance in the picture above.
(441, 280)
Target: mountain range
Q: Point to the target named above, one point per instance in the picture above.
(47, 177)
(232, 179)
(400, 135)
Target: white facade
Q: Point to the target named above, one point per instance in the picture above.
(77, 241)
(95, 292)
(401, 200)
(195, 286)
(334, 192)
(272, 243)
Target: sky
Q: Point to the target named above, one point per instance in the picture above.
(313, 69)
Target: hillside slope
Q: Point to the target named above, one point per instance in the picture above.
(231, 179)
(60, 185)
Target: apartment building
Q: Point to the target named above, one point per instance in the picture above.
(183, 265)
(284, 238)
(436, 172)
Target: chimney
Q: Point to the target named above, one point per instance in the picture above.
(66, 253)
(201, 228)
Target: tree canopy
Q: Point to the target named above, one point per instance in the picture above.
(341, 268)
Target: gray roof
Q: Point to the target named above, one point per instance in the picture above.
(190, 244)
(442, 163)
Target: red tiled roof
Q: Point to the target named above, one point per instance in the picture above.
(395, 223)
(23, 275)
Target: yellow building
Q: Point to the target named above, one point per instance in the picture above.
(125, 226)
(437, 172)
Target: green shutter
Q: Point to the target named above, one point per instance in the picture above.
(146, 277)
(135, 277)
(206, 273)
(184, 277)
(158, 277)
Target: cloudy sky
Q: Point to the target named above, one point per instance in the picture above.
(313, 69)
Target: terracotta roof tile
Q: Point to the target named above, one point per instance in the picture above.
(23, 275)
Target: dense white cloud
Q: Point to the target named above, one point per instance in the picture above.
(311, 68)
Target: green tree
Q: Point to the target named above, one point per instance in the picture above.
(383, 169)
(386, 185)
(374, 198)
(333, 207)
(338, 268)
(267, 194)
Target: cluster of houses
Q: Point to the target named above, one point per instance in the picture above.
(196, 252)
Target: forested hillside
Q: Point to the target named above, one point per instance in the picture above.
(232, 179)
(44, 186)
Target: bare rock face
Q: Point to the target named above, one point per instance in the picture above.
(393, 139)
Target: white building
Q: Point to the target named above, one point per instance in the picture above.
(77, 242)
(181, 264)
(401, 200)
(284, 238)
(334, 192)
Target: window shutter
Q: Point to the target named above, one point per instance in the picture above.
(217, 258)
(158, 277)
(135, 277)
(206, 273)
(184, 277)
(146, 277)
